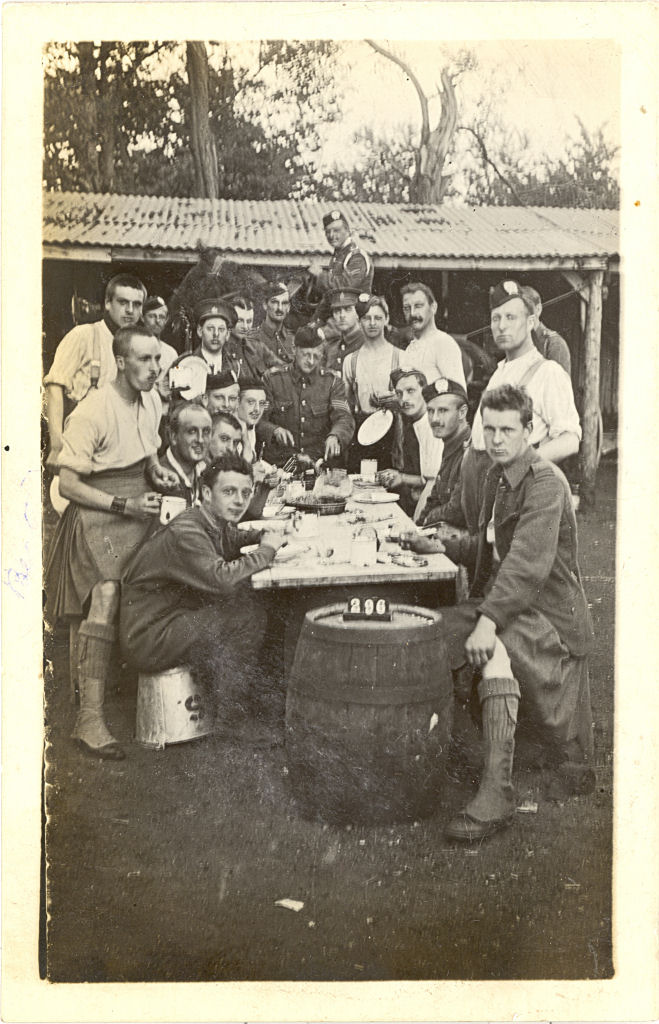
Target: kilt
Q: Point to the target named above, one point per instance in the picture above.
(91, 546)
(553, 682)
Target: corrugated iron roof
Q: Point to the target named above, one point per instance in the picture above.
(290, 227)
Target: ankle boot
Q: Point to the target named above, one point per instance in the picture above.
(493, 806)
(90, 730)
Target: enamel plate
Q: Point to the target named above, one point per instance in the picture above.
(375, 426)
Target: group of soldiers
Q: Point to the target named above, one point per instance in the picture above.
(124, 432)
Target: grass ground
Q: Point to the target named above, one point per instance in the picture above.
(167, 866)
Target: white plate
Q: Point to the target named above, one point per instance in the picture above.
(190, 375)
(376, 497)
(375, 426)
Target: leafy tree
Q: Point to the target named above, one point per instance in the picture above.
(186, 119)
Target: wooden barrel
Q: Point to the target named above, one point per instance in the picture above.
(368, 715)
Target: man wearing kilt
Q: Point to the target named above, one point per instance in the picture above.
(109, 471)
(525, 629)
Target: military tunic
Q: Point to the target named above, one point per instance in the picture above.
(349, 267)
(310, 406)
(337, 349)
(279, 341)
(445, 494)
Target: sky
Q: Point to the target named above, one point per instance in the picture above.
(538, 85)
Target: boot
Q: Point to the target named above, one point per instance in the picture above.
(90, 730)
(493, 806)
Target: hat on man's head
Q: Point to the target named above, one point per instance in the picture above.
(275, 288)
(396, 375)
(332, 217)
(507, 290)
(364, 303)
(342, 297)
(217, 381)
(308, 337)
(153, 302)
(444, 386)
(251, 384)
(213, 307)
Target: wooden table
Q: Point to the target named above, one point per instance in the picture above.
(295, 587)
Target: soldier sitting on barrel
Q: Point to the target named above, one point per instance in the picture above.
(185, 599)
(525, 628)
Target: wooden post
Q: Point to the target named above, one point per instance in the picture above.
(591, 405)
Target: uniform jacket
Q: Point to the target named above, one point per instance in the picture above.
(280, 342)
(551, 345)
(252, 354)
(535, 534)
(444, 498)
(338, 348)
(185, 566)
(349, 267)
(311, 407)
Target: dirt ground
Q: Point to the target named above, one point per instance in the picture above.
(167, 866)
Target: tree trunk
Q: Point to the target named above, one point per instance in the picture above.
(89, 170)
(430, 183)
(107, 113)
(591, 405)
(203, 147)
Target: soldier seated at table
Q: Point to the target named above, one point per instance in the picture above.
(308, 412)
(222, 392)
(189, 431)
(226, 435)
(525, 629)
(416, 454)
(447, 408)
(185, 598)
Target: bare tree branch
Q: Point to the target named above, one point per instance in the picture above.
(491, 163)
(423, 100)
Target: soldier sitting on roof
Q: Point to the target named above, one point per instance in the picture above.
(350, 266)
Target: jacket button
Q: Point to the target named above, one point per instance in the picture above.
(301, 419)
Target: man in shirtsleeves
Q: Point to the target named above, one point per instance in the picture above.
(84, 358)
(109, 471)
(189, 430)
(525, 629)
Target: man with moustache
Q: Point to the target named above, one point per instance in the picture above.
(556, 431)
(525, 629)
(273, 331)
(189, 429)
(416, 453)
(110, 473)
(308, 410)
(185, 597)
(350, 266)
(245, 348)
(84, 359)
(433, 352)
(447, 408)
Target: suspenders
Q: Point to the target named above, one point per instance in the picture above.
(95, 369)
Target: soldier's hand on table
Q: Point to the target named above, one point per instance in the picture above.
(412, 541)
(332, 447)
(274, 538)
(390, 478)
(283, 436)
(144, 506)
(479, 646)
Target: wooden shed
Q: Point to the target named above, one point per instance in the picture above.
(570, 256)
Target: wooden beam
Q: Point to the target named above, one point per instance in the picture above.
(591, 406)
(83, 253)
(578, 282)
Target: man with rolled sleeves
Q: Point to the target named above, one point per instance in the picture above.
(308, 411)
(556, 431)
(84, 359)
(350, 266)
(447, 408)
(273, 331)
(110, 474)
(348, 336)
(526, 629)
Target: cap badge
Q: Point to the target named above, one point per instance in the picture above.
(441, 386)
(364, 297)
(335, 215)
(510, 287)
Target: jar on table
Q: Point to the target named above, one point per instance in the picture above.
(364, 547)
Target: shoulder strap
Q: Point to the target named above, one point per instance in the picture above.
(531, 372)
(95, 368)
